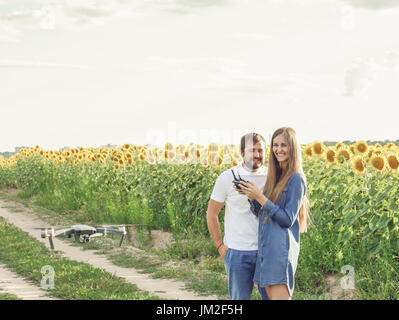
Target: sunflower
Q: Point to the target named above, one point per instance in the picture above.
(170, 156)
(361, 147)
(142, 156)
(393, 162)
(358, 165)
(317, 149)
(390, 145)
(213, 147)
(160, 155)
(343, 155)
(151, 159)
(215, 159)
(169, 146)
(339, 145)
(198, 152)
(186, 152)
(181, 157)
(191, 152)
(330, 155)
(377, 162)
(202, 153)
(370, 152)
(116, 166)
(192, 158)
(129, 155)
(308, 151)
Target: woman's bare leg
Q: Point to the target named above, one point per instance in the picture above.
(278, 292)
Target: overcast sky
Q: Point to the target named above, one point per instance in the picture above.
(77, 73)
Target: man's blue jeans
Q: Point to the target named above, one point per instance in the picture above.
(240, 268)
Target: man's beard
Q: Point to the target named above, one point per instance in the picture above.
(255, 164)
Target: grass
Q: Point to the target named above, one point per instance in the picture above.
(8, 296)
(73, 280)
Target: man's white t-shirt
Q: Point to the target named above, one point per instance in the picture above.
(240, 224)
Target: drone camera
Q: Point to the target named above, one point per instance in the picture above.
(84, 238)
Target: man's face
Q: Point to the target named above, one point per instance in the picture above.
(254, 154)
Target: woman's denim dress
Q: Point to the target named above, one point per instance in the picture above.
(278, 236)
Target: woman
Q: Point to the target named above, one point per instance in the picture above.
(283, 213)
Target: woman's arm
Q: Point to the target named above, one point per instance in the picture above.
(286, 216)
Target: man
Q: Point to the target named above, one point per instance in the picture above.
(239, 247)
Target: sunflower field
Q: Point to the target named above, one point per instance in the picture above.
(353, 191)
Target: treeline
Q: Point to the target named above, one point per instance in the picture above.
(369, 142)
(6, 154)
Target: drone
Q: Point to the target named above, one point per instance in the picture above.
(82, 233)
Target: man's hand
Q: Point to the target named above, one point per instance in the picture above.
(223, 250)
(212, 214)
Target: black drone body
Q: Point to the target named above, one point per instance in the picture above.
(238, 180)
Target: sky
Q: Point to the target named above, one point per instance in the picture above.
(100, 72)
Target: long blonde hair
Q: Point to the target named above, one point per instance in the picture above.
(278, 178)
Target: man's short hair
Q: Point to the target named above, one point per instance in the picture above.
(253, 137)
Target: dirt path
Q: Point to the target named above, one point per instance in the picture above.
(28, 221)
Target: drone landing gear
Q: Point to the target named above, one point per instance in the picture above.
(122, 237)
(51, 242)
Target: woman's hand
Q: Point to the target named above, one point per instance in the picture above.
(249, 189)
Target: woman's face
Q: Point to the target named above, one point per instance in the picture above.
(280, 148)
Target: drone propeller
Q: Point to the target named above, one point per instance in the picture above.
(110, 225)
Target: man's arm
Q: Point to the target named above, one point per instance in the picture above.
(212, 219)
